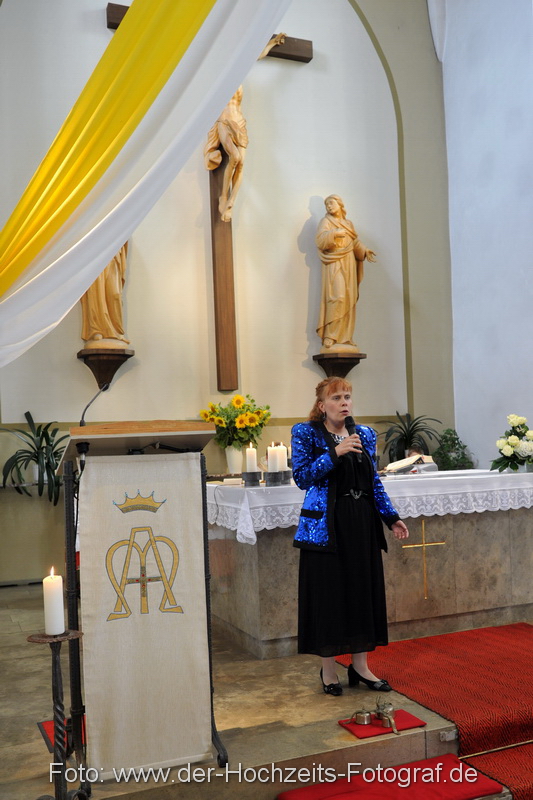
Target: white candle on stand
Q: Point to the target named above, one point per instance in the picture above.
(54, 614)
(282, 457)
(272, 458)
(251, 459)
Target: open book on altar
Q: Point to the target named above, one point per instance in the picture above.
(418, 463)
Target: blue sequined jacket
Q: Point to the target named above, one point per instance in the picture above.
(313, 462)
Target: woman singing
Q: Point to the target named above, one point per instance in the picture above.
(341, 603)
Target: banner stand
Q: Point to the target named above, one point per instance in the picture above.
(121, 444)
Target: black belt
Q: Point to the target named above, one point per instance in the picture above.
(355, 495)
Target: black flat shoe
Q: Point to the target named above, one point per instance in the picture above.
(378, 686)
(332, 688)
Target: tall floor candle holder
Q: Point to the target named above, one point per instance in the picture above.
(60, 744)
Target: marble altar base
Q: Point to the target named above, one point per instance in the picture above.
(480, 576)
(254, 590)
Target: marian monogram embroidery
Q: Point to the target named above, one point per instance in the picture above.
(141, 577)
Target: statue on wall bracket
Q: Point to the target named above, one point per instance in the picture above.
(342, 255)
(103, 327)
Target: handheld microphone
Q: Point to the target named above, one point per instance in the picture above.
(349, 423)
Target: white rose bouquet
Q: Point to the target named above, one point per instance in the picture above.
(515, 446)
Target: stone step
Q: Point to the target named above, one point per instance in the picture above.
(276, 756)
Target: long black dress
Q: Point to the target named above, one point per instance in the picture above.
(341, 600)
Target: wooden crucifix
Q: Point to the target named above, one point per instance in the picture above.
(223, 185)
(224, 153)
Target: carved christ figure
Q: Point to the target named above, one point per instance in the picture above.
(342, 256)
(229, 134)
(102, 306)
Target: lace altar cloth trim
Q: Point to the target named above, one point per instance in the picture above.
(467, 503)
(251, 510)
(265, 518)
(461, 492)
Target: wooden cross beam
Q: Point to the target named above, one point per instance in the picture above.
(292, 49)
(223, 287)
(115, 15)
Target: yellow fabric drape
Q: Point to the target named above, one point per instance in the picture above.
(138, 61)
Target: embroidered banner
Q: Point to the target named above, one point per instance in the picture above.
(143, 608)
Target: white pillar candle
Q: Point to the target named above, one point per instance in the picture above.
(251, 459)
(282, 457)
(54, 614)
(272, 458)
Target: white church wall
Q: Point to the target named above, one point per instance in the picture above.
(488, 79)
(335, 118)
(403, 34)
(47, 52)
(318, 128)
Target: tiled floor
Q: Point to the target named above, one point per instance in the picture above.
(266, 711)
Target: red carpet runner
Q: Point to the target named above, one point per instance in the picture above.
(435, 778)
(514, 768)
(479, 679)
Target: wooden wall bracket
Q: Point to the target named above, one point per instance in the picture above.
(338, 364)
(104, 362)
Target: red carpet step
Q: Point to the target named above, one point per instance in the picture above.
(514, 767)
(441, 778)
(480, 680)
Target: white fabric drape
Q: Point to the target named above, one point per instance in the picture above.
(215, 64)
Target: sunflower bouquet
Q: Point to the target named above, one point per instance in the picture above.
(238, 422)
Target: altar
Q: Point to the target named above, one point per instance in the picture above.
(467, 563)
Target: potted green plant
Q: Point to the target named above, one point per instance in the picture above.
(452, 452)
(406, 433)
(44, 449)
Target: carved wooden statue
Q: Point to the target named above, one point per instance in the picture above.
(342, 256)
(229, 134)
(102, 306)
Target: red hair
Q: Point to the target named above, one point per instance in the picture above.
(324, 389)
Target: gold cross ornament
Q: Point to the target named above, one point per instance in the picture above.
(423, 545)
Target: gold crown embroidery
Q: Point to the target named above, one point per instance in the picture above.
(139, 503)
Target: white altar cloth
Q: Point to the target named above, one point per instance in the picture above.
(460, 492)
(255, 509)
(247, 511)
